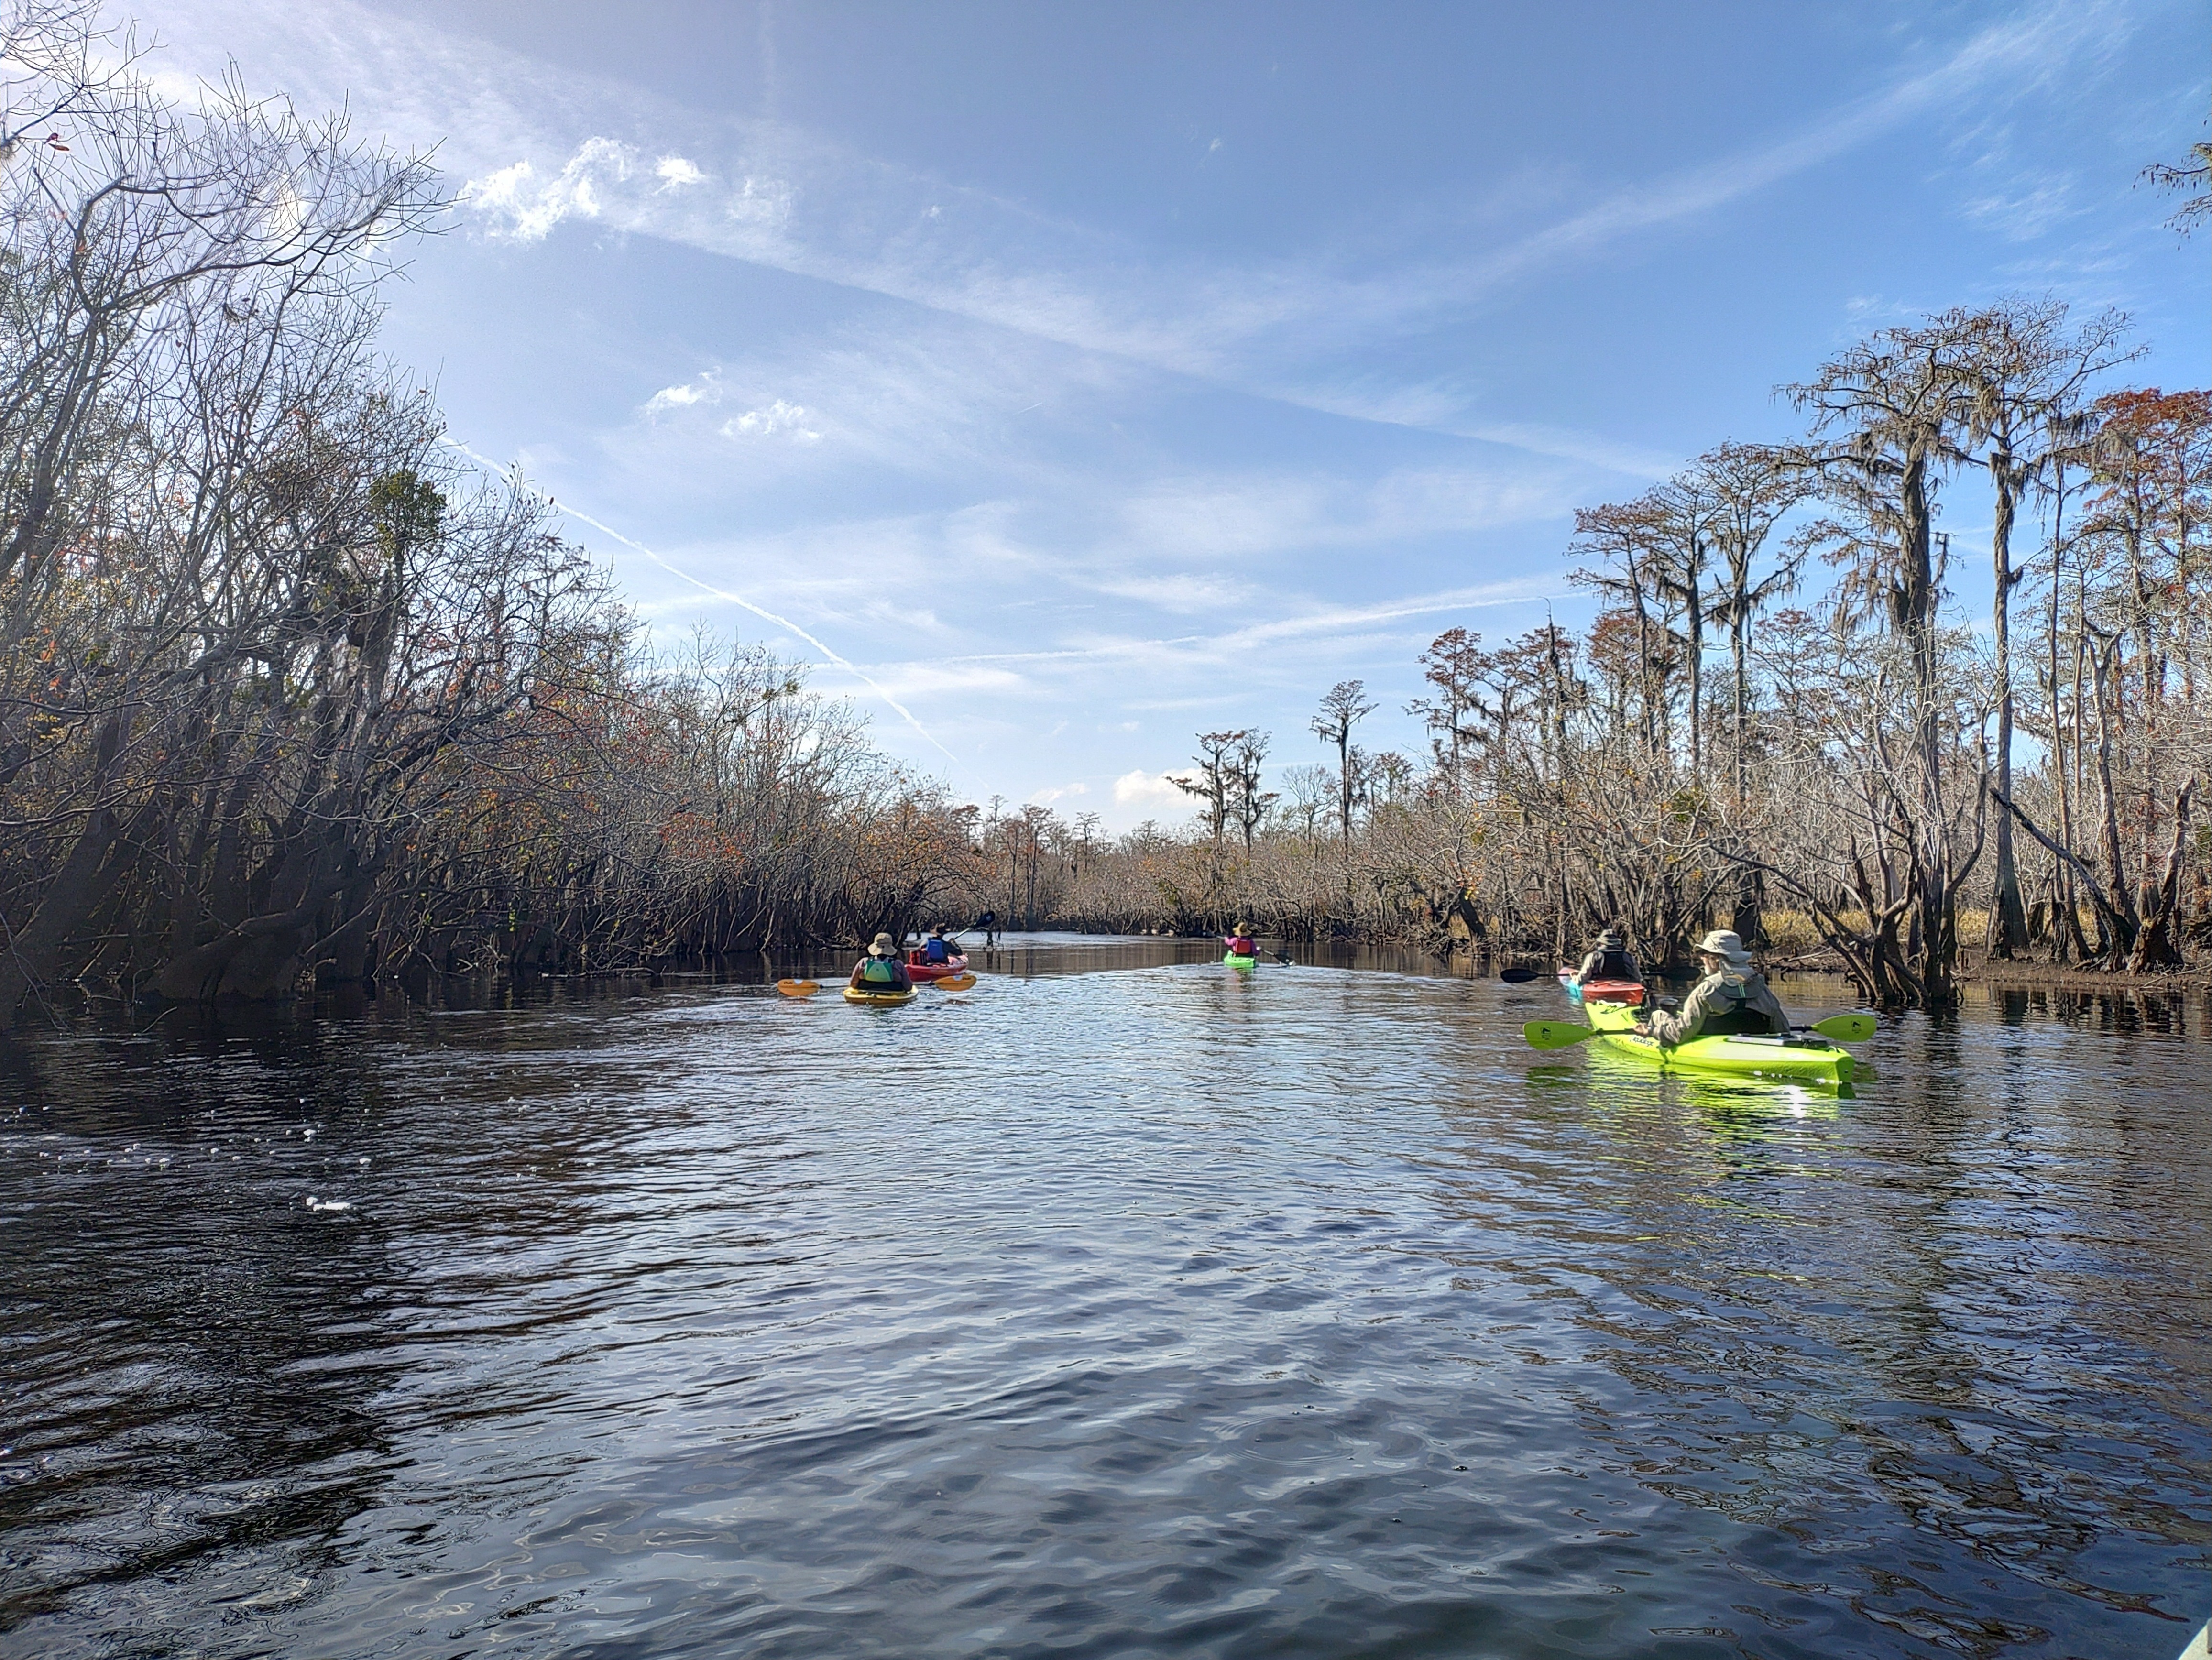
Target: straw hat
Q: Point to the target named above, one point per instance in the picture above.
(882, 946)
(1727, 946)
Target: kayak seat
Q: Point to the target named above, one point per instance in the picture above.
(1739, 1023)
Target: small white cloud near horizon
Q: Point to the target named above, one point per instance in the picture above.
(1141, 788)
(1045, 798)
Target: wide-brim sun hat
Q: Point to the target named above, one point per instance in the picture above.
(1725, 944)
(882, 946)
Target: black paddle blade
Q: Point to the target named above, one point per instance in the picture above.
(1516, 976)
(985, 920)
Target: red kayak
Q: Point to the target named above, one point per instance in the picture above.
(920, 968)
(1607, 991)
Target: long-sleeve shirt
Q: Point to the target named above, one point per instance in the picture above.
(1727, 993)
(1622, 962)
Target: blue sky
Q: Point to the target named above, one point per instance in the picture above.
(1085, 378)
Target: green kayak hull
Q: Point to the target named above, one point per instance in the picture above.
(1807, 1060)
(1236, 961)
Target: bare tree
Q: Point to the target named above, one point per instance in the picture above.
(1249, 801)
(1885, 414)
(1344, 707)
(2023, 374)
(2192, 180)
(1215, 785)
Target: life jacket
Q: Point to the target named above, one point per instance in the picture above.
(880, 971)
(936, 950)
(1614, 965)
(1238, 945)
(1735, 1017)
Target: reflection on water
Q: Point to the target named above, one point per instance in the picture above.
(1165, 1310)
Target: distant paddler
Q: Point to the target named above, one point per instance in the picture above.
(1240, 944)
(1610, 958)
(937, 948)
(1731, 1000)
(880, 971)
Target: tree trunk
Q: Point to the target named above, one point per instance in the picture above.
(2008, 915)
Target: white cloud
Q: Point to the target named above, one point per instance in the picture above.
(2025, 215)
(777, 418)
(1181, 592)
(604, 178)
(927, 679)
(708, 389)
(512, 205)
(1045, 798)
(675, 173)
(772, 194)
(1153, 790)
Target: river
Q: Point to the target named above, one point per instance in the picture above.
(1123, 1306)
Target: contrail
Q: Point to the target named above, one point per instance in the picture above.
(783, 623)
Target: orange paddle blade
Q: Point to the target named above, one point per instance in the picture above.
(799, 988)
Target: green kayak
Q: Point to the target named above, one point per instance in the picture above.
(1807, 1059)
(1236, 961)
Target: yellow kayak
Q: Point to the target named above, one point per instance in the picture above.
(881, 999)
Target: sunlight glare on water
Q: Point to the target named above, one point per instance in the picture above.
(1166, 1310)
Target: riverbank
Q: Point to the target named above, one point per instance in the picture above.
(2194, 981)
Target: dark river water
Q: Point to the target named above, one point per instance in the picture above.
(1105, 1310)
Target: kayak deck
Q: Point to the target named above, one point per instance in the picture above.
(882, 998)
(1236, 961)
(1607, 991)
(1804, 1059)
(920, 968)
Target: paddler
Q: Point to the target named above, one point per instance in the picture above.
(881, 969)
(937, 948)
(1731, 1000)
(1609, 959)
(1240, 943)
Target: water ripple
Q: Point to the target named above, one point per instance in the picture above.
(1155, 1312)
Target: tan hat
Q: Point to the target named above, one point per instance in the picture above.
(882, 946)
(1726, 944)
